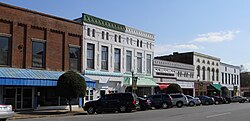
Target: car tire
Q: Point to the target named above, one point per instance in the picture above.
(91, 110)
(164, 105)
(191, 103)
(179, 104)
(217, 102)
(99, 112)
(207, 103)
(122, 109)
(242, 101)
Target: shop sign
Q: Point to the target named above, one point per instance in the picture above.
(183, 84)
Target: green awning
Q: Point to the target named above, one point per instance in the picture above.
(217, 86)
(141, 82)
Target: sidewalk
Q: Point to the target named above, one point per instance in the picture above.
(47, 113)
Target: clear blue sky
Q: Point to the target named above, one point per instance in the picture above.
(219, 28)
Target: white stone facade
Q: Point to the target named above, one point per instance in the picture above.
(230, 77)
(111, 80)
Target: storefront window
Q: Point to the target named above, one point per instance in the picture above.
(89, 94)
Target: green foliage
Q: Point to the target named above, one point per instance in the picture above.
(245, 79)
(173, 88)
(224, 91)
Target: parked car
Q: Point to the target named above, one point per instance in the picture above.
(160, 101)
(205, 100)
(218, 100)
(122, 102)
(6, 112)
(179, 100)
(144, 103)
(239, 99)
(227, 100)
(192, 101)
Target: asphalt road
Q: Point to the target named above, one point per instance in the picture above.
(226, 112)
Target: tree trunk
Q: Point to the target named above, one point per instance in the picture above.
(70, 108)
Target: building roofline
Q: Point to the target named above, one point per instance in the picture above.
(222, 63)
(39, 13)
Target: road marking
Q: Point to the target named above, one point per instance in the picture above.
(221, 114)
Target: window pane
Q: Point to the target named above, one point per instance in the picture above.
(148, 63)
(139, 62)
(74, 57)
(4, 51)
(117, 59)
(38, 54)
(104, 57)
(90, 55)
(128, 61)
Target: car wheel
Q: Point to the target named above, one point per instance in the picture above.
(243, 101)
(3, 119)
(191, 103)
(179, 104)
(91, 110)
(122, 109)
(164, 105)
(99, 112)
(206, 103)
(217, 102)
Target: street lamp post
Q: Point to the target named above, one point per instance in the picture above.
(134, 81)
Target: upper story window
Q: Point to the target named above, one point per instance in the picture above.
(213, 63)
(234, 70)
(127, 40)
(147, 44)
(139, 62)
(104, 65)
(128, 61)
(217, 64)
(138, 43)
(141, 44)
(117, 59)
(38, 54)
(4, 51)
(225, 68)
(120, 38)
(222, 77)
(103, 34)
(148, 63)
(93, 33)
(131, 41)
(198, 60)
(107, 36)
(115, 38)
(203, 61)
(208, 62)
(150, 45)
(88, 31)
(90, 56)
(74, 58)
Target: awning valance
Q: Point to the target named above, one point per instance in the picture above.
(217, 86)
(163, 86)
(29, 77)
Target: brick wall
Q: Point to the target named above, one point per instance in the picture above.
(23, 25)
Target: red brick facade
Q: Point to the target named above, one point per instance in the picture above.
(23, 25)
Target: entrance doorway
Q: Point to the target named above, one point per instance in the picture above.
(19, 97)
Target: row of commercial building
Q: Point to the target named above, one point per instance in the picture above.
(36, 48)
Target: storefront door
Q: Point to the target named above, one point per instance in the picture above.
(18, 97)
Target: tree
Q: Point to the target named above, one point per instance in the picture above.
(71, 85)
(173, 88)
(245, 79)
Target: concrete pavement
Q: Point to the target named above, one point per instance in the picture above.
(226, 112)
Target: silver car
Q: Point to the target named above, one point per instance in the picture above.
(179, 100)
(6, 112)
(192, 101)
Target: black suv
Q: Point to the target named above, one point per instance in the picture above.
(122, 102)
(160, 101)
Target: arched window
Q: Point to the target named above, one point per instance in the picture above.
(212, 63)
(115, 38)
(198, 71)
(127, 40)
(217, 74)
(203, 73)
(213, 74)
(131, 41)
(102, 34)
(88, 31)
(141, 44)
(208, 62)
(198, 60)
(120, 38)
(93, 33)
(203, 61)
(138, 43)
(107, 36)
(208, 74)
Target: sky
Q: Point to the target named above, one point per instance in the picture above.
(219, 28)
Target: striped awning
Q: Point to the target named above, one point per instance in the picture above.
(29, 77)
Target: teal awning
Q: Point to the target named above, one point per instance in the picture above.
(217, 86)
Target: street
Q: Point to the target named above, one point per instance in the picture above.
(226, 112)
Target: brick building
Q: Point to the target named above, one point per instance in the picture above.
(35, 49)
